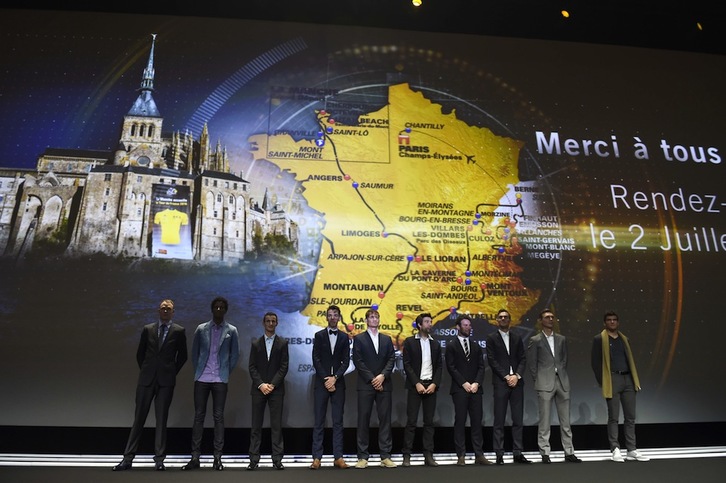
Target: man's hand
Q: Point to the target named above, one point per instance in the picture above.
(266, 388)
(377, 382)
(330, 383)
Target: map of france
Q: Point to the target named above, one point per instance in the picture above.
(413, 217)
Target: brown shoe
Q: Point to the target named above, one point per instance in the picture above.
(340, 463)
(482, 460)
(429, 460)
(460, 461)
(315, 464)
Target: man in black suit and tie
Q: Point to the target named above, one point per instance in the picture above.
(331, 358)
(161, 354)
(422, 363)
(547, 363)
(373, 356)
(465, 363)
(269, 360)
(507, 359)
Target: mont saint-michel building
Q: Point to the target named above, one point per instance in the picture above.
(157, 195)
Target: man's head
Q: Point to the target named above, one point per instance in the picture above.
(269, 321)
(463, 325)
(219, 307)
(503, 320)
(332, 315)
(424, 322)
(166, 310)
(547, 320)
(373, 318)
(611, 322)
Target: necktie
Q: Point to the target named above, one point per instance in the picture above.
(162, 334)
(333, 332)
(466, 348)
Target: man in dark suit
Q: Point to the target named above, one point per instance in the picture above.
(161, 354)
(507, 359)
(547, 363)
(373, 356)
(215, 351)
(331, 358)
(465, 363)
(422, 363)
(269, 360)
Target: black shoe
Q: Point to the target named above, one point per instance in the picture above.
(571, 458)
(519, 458)
(546, 459)
(123, 466)
(253, 465)
(217, 465)
(278, 465)
(159, 466)
(500, 459)
(192, 465)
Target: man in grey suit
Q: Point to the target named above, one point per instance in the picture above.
(373, 356)
(161, 354)
(547, 363)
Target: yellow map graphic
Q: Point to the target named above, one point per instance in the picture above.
(410, 199)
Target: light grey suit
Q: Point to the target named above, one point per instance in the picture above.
(549, 373)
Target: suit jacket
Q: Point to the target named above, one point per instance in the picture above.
(369, 363)
(542, 364)
(329, 362)
(462, 369)
(272, 371)
(500, 361)
(412, 360)
(228, 352)
(160, 365)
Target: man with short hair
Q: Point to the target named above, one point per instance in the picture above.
(465, 363)
(422, 363)
(331, 358)
(269, 361)
(547, 363)
(615, 372)
(373, 356)
(161, 354)
(215, 351)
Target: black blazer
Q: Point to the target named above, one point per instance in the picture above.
(412, 361)
(160, 365)
(330, 363)
(500, 360)
(462, 369)
(369, 363)
(272, 371)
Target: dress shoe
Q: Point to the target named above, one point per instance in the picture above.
(571, 458)
(340, 464)
(406, 460)
(388, 463)
(482, 460)
(519, 458)
(461, 461)
(429, 460)
(253, 465)
(159, 466)
(217, 465)
(500, 459)
(123, 466)
(278, 465)
(361, 464)
(546, 459)
(315, 464)
(192, 465)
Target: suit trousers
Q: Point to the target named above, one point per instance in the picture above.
(337, 402)
(468, 404)
(562, 403)
(161, 396)
(384, 404)
(514, 398)
(202, 390)
(274, 400)
(415, 400)
(623, 393)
